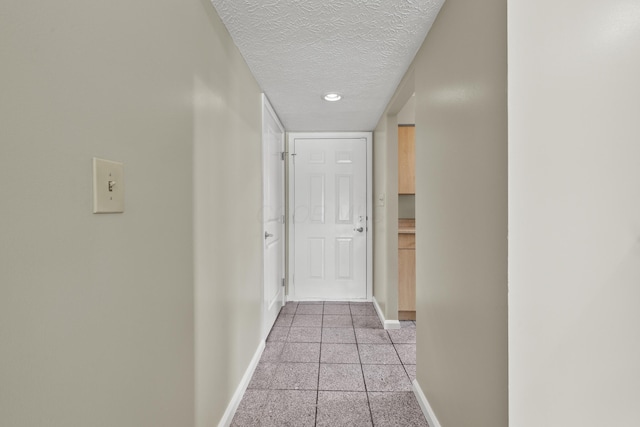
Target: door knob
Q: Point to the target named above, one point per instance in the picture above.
(267, 235)
(359, 229)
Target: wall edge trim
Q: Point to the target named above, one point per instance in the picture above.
(432, 420)
(388, 324)
(226, 419)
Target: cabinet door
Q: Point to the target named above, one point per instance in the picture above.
(406, 160)
(406, 280)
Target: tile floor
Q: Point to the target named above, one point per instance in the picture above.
(332, 364)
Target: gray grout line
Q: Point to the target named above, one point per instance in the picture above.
(315, 420)
(322, 327)
(366, 392)
(406, 372)
(401, 362)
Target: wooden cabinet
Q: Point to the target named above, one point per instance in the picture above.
(406, 159)
(406, 270)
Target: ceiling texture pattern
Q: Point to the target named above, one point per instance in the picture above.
(298, 50)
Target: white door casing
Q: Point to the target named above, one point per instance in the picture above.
(273, 215)
(330, 199)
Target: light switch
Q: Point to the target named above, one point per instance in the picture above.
(108, 186)
(381, 198)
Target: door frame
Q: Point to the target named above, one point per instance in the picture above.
(367, 136)
(268, 109)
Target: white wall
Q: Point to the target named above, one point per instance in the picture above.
(574, 213)
(98, 324)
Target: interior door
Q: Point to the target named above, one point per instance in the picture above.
(273, 215)
(330, 218)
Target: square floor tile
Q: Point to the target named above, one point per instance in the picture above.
(284, 320)
(304, 334)
(301, 352)
(278, 333)
(289, 308)
(367, 322)
(339, 353)
(337, 309)
(363, 310)
(296, 376)
(372, 336)
(343, 409)
(253, 401)
(307, 320)
(407, 353)
(396, 409)
(311, 303)
(309, 309)
(247, 419)
(411, 371)
(338, 335)
(407, 324)
(403, 336)
(263, 375)
(341, 377)
(290, 408)
(272, 351)
(378, 354)
(337, 321)
(386, 378)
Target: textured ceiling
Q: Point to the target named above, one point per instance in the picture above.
(299, 50)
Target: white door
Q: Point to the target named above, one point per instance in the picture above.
(330, 217)
(273, 215)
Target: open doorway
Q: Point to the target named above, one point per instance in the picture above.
(406, 212)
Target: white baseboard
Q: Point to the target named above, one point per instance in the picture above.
(388, 324)
(424, 405)
(242, 387)
(340, 300)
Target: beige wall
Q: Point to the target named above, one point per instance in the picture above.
(383, 216)
(574, 213)
(407, 206)
(407, 115)
(461, 214)
(97, 313)
(228, 223)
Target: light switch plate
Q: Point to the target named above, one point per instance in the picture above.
(108, 186)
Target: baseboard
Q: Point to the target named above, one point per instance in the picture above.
(432, 420)
(242, 387)
(388, 324)
(341, 300)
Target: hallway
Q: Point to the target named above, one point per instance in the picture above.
(527, 211)
(332, 364)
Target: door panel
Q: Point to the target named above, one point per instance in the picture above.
(330, 218)
(273, 214)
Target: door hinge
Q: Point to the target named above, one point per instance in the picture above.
(283, 155)
(283, 282)
(282, 219)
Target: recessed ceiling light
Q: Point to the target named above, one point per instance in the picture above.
(332, 97)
